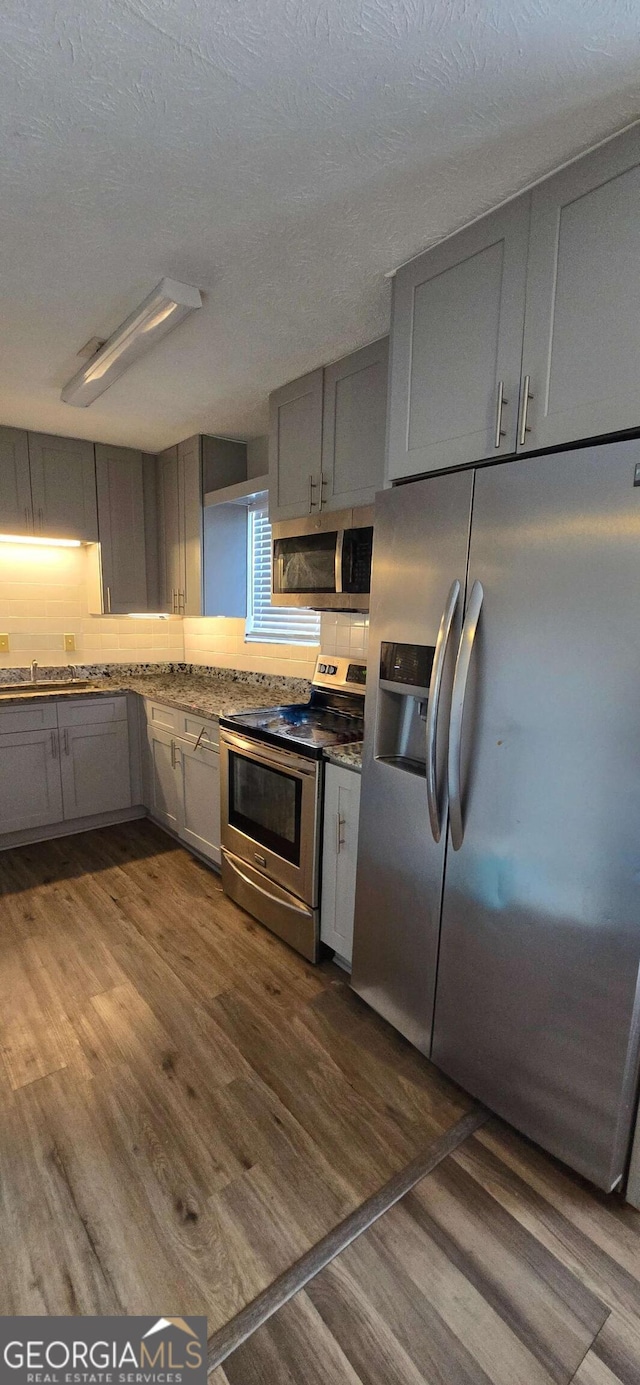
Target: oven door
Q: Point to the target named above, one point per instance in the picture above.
(270, 808)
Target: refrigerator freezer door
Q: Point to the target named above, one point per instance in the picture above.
(537, 999)
(420, 548)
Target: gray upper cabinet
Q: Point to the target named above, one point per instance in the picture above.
(458, 316)
(582, 328)
(63, 487)
(121, 523)
(172, 580)
(180, 526)
(15, 485)
(295, 447)
(353, 427)
(191, 525)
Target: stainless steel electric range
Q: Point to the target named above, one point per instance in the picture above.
(272, 771)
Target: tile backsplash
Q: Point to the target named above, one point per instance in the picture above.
(220, 640)
(43, 597)
(344, 634)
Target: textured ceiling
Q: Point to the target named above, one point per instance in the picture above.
(279, 154)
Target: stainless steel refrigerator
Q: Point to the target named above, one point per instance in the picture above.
(498, 889)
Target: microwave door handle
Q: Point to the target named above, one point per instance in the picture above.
(433, 706)
(339, 561)
(461, 675)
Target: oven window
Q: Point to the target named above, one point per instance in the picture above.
(305, 564)
(265, 804)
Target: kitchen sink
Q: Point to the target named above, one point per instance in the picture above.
(60, 685)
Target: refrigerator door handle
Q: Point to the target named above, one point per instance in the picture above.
(433, 703)
(463, 663)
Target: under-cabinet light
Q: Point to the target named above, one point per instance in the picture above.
(160, 312)
(147, 615)
(39, 542)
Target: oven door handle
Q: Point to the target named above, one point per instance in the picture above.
(275, 899)
(274, 758)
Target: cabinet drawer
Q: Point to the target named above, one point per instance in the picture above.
(41, 716)
(92, 711)
(192, 728)
(165, 718)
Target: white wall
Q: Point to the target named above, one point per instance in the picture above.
(43, 596)
(218, 640)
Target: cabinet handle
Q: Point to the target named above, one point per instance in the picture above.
(312, 488)
(54, 745)
(199, 738)
(173, 754)
(27, 518)
(66, 741)
(340, 822)
(181, 603)
(40, 518)
(524, 409)
(174, 602)
(324, 481)
(500, 402)
(108, 601)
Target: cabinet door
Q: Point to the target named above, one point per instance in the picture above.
(582, 330)
(121, 529)
(295, 447)
(16, 515)
(456, 347)
(191, 525)
(63, 486)
(340, 852)
(30, 791)
(96, 777)
(353, 427)
(199, 817)
(171, 572)
(161, 784)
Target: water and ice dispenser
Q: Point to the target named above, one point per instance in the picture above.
(405, 674)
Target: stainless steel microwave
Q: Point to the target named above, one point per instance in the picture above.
(324, 562)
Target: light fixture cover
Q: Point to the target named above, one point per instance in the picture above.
(168, 305)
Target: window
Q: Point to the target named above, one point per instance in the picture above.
(282, 624)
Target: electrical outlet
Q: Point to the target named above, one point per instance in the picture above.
(4, 644)
(70, 644)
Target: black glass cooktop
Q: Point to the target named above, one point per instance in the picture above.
(307, 728)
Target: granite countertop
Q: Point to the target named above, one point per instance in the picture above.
(208, 692)
(346, 756)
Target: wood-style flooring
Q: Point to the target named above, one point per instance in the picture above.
(187, 1105)
(499, 1268)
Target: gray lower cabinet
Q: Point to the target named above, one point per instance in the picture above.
(582, 326)
(295, 447)
(181, 776)
(30, 787)
(339, 859)
(63, 487)
(199, 798)
(457, 325)
(63, 760)
(353, 427)
(159, 777)
(121, 524)
(95, 761)
(15, 483)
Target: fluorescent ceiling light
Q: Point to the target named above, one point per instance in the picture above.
(46, 543)
(168, 305)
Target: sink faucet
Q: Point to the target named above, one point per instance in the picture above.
(34, 670)
(72, 671)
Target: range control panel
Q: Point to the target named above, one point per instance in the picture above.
(339, 671)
